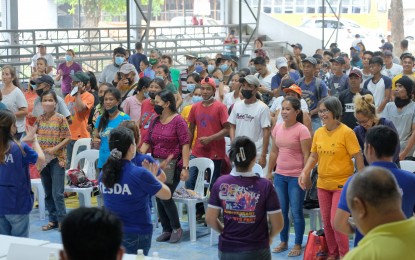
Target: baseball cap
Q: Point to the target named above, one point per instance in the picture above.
(192, 55)
(357, 48)
(297, 45)
(293, 88)
(41, 45)
(209, 81)
(310, 60)
(43, 79)
(387, 46)
(251, 80)
(388, 53)
(339, 59)
(281, 62)
(356, 72)
(127, 68)
(80, 76)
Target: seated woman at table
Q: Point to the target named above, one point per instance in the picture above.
(16, 197)
(127, 189)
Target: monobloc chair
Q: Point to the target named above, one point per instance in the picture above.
(84, 194)
(39, 195)
(80, 142)
(202, 164)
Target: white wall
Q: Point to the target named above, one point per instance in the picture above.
(38, 14)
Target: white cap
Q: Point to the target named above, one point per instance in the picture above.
(281, 62)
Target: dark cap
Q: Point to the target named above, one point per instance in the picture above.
(339, 59)
(387, 53)
(203, 60)
(80, 76)
(357, 48)
(407, 83)
(386, 46)
(311, 60)
(226, 57)
(297, 45)
(286, 83)
(333, 45)
(43, 79)
(356, 73)
(357, 35)
(335, 50)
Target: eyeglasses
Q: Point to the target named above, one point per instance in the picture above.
(362, 122)
(323, 111)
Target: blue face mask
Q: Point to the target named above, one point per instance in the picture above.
(210, 68)
(33, 86)
(224, 67)
(119, 60)
(191, 87)
(159, 77)
(217, 82)
(146, 95)
(196, 99)
(198, 68)
(68, 58)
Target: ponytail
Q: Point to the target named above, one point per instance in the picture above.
(120, 140)
(242, 152)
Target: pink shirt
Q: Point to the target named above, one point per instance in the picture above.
(147, 115)
(132, 106)
(290, 160)
(209, 120)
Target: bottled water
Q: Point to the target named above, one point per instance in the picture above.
(140, 255)
(155, 256)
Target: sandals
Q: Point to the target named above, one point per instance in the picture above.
(280, 249)
(50, 226)
(295, 252)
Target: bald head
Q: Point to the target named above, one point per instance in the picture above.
(375, 186)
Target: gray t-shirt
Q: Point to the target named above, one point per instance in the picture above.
(14, 101)
(61, 108)
(108, 74)
(402, 120)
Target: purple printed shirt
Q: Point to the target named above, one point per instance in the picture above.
(245, 200)
(166, 139)
(66, 78)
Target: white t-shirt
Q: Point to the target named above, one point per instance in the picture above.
(265, 82)
(278, 103)
(49, 60)
(229, 99)
(250, 119)
(15, 100)
(378, 89)
(393, 71)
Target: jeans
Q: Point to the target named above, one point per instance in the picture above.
(14, 225)
(169, 217)
(69, 150)
(315, 123)
(291, 196)
(337, 243)
(53, 181)
(191, 182)
(133, 242)
(261, 254)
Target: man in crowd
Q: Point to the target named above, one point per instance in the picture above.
(379, 85)
(265, 77)
(387, 46)
(136, 58)
(42, 53)
(338, 80)
(356, 60)
(390, 69)
(251, 117)
(375, 199)
(407, 66)
(190, 63)
(174, 73)
(283, 73)
(125, 80)
(366, 73)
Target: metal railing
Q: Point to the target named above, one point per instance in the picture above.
(94, 46)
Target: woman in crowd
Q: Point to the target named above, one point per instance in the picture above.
(221, 90)
(334, 145)
(144, 64)
(65, 70)
(192, 80)
(169, 135)
(132, 105)
(241, 194)
(110, 119)
(16, 197)
(138, 185)
(53, 135)
(290, 150)
(14, 98)
(147, 108)
(196, 98)
(30, 93)
(92, 86)
(366, 116)
(163, 72)
(235, 95)
(98, 109)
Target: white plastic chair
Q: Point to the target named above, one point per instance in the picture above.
(315, 218)
(84, 194)
(407, 165)
(39, 195)
(258, 170)
(80, 142)
(202, 165)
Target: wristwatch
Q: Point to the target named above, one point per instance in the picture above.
(185, 168)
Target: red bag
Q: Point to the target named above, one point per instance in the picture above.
(316, 247)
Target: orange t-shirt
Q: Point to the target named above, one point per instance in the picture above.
(79, 119)
(30, 98)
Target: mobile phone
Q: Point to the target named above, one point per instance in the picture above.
(74, 91)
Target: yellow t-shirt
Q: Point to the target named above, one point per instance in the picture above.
(400, 76)
(335, 149)
(389, 241)
(185, 114)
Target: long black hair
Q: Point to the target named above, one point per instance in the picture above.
(103, 123)
(242, 152)
(296, 104)
(120, 140)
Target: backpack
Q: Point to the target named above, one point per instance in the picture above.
(78, 178)
(318, 86)
(311, 197)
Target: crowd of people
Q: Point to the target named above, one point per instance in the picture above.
(335, 111)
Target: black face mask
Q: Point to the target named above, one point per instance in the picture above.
(247, 94)
(158, 109)
(130, 81)
(152, 95)
(400, 103)
(39, 92)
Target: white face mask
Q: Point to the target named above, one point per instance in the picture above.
(189, 63)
